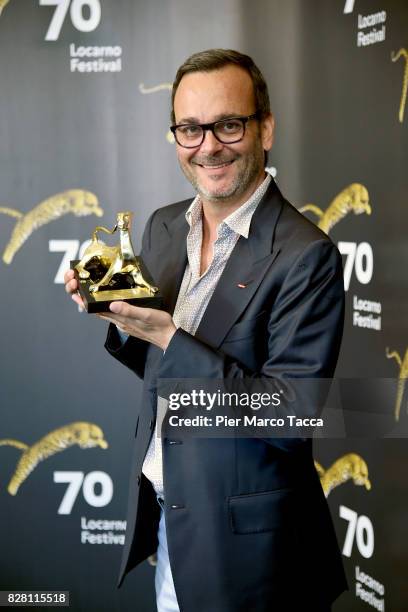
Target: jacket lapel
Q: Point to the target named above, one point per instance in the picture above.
(175, 258)
(244, 271)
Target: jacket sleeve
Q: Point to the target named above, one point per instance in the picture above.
(132, 352)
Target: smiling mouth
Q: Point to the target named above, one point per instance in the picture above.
(215, 166)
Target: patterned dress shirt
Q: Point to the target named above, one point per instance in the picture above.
(196, 291)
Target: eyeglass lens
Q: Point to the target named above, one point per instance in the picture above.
(227, 131)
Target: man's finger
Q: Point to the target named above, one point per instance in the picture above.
(71, 286)
(68, 275)
(105, 317)
(78, 300)
(112, 318)
(126, 310)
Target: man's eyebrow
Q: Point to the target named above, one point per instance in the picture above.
(195, 121)
(187, 120)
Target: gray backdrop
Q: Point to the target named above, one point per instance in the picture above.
(339, 109)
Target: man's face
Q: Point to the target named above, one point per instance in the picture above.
(222, 172)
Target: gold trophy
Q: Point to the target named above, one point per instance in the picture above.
(109, 273)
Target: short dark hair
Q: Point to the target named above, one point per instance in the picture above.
(214, 59)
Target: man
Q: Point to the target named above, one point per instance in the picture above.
(251, 289)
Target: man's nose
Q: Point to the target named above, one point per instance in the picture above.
(210, 144)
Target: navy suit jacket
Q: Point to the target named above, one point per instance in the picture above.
(248, 525)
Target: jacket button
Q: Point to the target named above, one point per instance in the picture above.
(176, 506)
(138, 481)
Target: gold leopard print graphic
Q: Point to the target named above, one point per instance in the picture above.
(402, 378)
(353, 198)
(160, 87)
(75, 201)
(2, 5)
(394, 58)
(83, 434)
(348, 467)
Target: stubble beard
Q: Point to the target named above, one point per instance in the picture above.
(246, 175)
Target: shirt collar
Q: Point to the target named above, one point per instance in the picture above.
(240, 220)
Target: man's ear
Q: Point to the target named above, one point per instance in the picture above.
(267, 131)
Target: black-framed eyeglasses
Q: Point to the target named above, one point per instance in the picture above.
(227, 131)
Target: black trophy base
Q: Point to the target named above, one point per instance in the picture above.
(119, 289)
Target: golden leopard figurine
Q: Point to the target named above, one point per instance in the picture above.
(119, 259)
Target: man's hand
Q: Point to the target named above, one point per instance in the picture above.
(155, 326)
(71, 287)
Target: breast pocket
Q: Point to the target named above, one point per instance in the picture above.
(261, 512)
